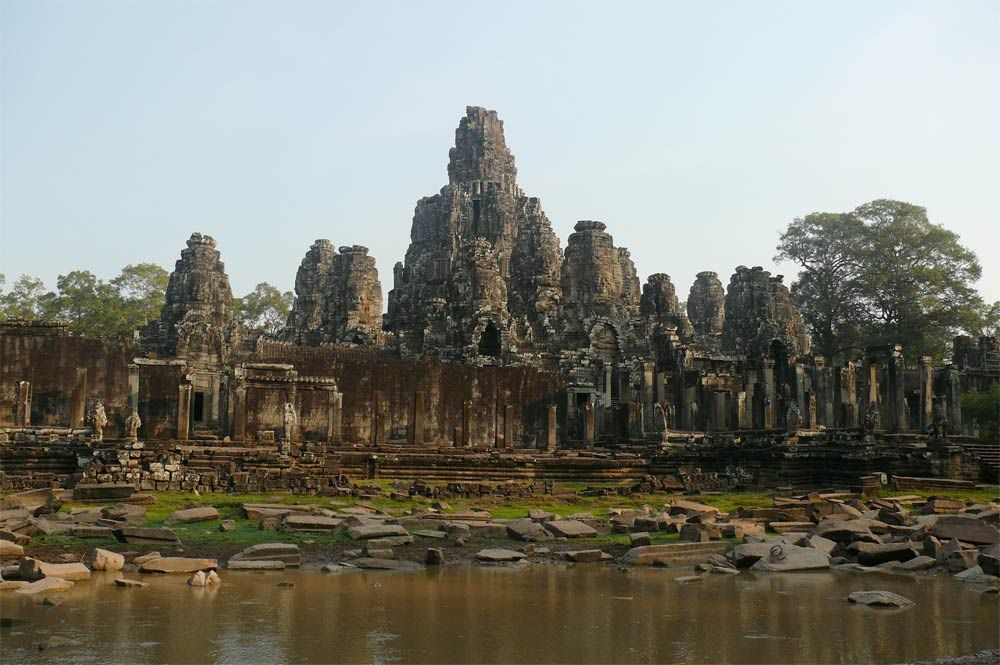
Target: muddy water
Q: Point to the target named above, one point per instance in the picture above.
(536, 613)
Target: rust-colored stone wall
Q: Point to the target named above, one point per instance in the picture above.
(48, 356)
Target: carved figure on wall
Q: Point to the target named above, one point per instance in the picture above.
(939, 420)
(871, 418)
(793, 417)
(98, 419)
(660, 423)
(132, 425)
(288, 421)
(693, 410)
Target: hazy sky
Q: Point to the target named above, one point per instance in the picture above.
(697, 131)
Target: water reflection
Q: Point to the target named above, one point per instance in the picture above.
(534, 613)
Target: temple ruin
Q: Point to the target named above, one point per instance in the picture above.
(501, 355)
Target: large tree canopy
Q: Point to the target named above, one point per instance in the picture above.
(264, 309)
(91, 305)
(880, 274)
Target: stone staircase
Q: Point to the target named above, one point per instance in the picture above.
(988, 454)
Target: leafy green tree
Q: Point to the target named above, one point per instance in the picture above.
(918, 278)
(91, 305)
(264, 309)
(829, 290)
(881, 274)
(27, 299)
(984, 409)
(142, 288)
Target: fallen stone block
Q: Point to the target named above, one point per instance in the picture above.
(966, 529)
(570, 529)
(45, 585)
(497, 555)
(587, 556)
(386, 564)
(879, 554)
(528, 530)
(33, 569)
(191, 515)
(99, 559)
(148, 535)
(310, 523)
(177, 564)
(130, 583)
(379, 531)
(10, 550)
(233, 564)
(879, 599)
(788, 558)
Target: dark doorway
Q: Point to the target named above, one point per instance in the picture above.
(198, 408)
(489, 341)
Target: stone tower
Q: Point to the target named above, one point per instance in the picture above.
(481, 274)
(760, 314)
(196, 321)
(338, 297)
(706, 306)
(598, 279)
(660, 306)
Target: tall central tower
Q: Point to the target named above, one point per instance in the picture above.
(481, 277)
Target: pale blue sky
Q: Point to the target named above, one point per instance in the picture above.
(697, 131)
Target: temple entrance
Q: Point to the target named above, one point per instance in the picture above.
(198, 407)
(490, 341)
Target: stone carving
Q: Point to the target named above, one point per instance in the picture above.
(706, 305)
(288, 422)
(132, 425)
(98, 419)
(871, 418)
(196, 321)
(481, 253)
(939, 420)
(338, 297)
(758, 312)
(793, 417)
(660, 306)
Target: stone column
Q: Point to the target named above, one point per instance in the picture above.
(607, 385)
(133, 387)
(588, 425)
(508, 426)
(648, 396)
(742, 419)
(78, 404)
(718, 410)
(22, 417)
(183, 411)
(953, 401)
(660, 395)
(379, 420)
(417, 424)
(849, 391)
(872, 383)
(334, 417)
(895, 392)
(635, 418)
(771, 410)
(551, 428)
(926, 393)
(240, 412)
(467, 423)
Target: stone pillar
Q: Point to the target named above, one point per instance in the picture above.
(635, 418)
(682, 408)
(508, 426)
(78, 404)
(588, 425)
(661, 388)
(718, 410)
(417, 424)
(467, 423)
(607, 385)
(926, 393)
(771, 410)
(953, 400)
(799, 389)
(895, 392)
(742, 416)
(334, 418)
(240, 411)
(648, 396)
(22, 416)
(379, 420)
(849, 392)
(184, 411)
(872, 383)
(551, 428)
(133, 387)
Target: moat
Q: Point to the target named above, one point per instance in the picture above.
(525, 613)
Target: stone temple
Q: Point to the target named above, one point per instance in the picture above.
(501, 354)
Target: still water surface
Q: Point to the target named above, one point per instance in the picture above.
(534, 613)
